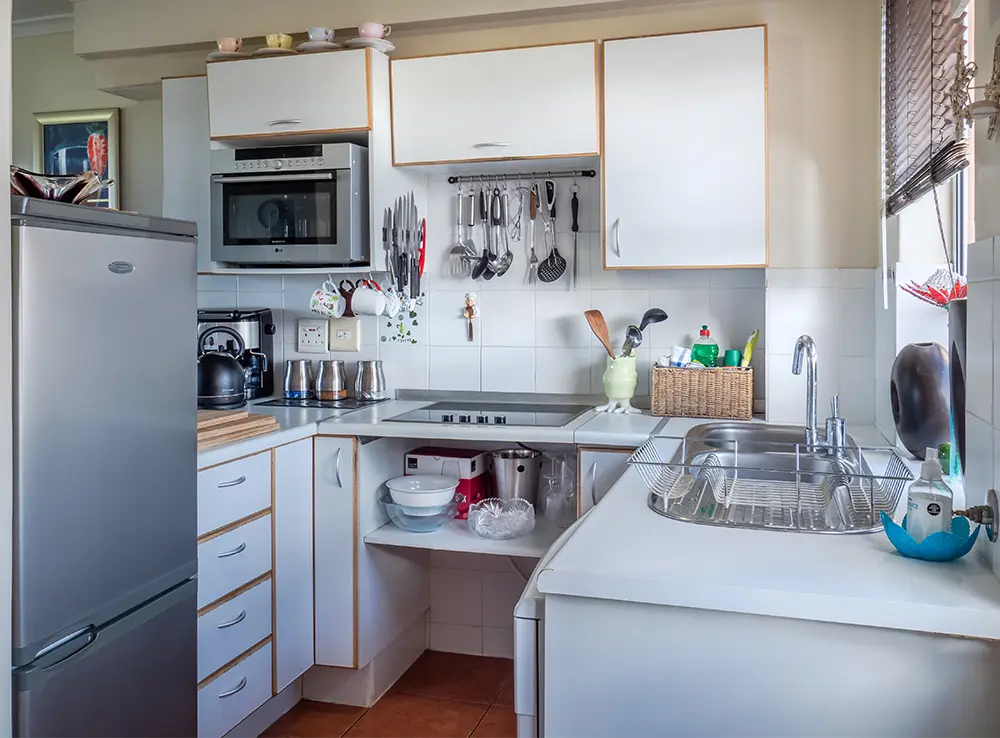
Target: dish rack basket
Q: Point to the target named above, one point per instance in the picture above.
(788, 488)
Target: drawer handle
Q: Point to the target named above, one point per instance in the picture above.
(490, 144)
(233, 483)
(337, 469)
(235, 621)
(286, 122)
(238, 550)
(238, 688)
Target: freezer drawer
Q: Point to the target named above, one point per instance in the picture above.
(137, 677)
(231, 560)
(233, 491)
(234, 694)
(232, 628)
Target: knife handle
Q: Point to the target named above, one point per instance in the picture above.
(550, 198)
(496, 208)
(533, 202)
(482, 206)
(574, 206)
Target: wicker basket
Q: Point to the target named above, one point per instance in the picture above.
(702, 393)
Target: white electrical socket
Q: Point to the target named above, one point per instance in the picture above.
(313, 337)
(345, 334)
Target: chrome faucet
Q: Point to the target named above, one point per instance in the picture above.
(805, 347)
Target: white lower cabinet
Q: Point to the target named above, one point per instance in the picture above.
(599, 470)
(334, 531)
(229, 561)
(234, 694)
(232, 628)
(293, 560)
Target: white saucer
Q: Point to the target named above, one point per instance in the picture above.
(317, 46)
(269, 51)
(379, 44)
(226, 55)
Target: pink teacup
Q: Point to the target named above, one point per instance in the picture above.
(230, 43)
(371, 29)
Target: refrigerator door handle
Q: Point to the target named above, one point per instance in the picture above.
(238, 550)
(238, 688)
(87, 635)
(235, 621)
(233, 483)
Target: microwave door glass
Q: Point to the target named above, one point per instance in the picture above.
(280, 212)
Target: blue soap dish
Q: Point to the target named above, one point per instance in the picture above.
(937, 547)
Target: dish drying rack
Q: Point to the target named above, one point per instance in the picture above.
(799, 491)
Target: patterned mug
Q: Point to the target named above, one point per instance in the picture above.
(327, 301)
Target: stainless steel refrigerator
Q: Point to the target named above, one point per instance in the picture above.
(105, 473)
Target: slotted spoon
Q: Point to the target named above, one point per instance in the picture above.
(553, 266)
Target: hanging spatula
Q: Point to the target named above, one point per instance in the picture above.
(600, 328)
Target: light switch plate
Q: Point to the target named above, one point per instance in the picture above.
(345, 334)
(313, 336)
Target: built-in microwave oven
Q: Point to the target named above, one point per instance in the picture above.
(304, 205)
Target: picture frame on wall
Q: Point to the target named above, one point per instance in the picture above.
(75, 141)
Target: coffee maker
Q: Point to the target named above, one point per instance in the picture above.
(256, 328)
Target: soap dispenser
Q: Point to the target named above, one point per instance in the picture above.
(929, 501)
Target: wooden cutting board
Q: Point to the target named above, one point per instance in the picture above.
(223, 427)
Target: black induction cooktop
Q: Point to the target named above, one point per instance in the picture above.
(494, 413)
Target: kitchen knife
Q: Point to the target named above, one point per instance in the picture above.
(386, 228)
(574, 206)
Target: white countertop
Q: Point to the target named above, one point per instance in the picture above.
(624, 551)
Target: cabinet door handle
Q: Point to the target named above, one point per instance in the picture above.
(232, 483)
(286, 122)
(238, 550)
(618, 234)
(336, 469)
(593, 483)
(235, 621)
(238, 688)
(490, 144)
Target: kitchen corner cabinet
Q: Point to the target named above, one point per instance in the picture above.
(293, 561)
(599, 469)
(335, 526)
(290, 95)
(685, 150)
(522, 103)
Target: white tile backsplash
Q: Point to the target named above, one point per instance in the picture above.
(507, 318)
(454, 368)
(565, 370)
(498, 642)
(508, 369)
(456, 597)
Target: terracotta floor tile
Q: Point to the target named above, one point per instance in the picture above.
(506, 694)
(454, 676)
(498, 722)
(310, 719)
(409, 716)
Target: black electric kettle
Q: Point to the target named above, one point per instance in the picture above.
(221, 379)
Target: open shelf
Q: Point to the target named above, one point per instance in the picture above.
(456, 536)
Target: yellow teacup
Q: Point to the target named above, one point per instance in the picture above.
(278, 41)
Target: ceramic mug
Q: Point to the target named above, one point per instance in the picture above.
(326, 301)
(371, 29)
(393, 303)
(278, 41)
(319, 33)
(230, 44)
(368, 299)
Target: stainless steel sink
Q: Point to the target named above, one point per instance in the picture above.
(763, 476)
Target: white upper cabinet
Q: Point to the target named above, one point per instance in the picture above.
(685, 150)
(295, 94)
(517, 103)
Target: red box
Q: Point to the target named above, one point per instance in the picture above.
(469, 465)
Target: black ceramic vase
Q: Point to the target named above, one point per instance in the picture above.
(919, 392)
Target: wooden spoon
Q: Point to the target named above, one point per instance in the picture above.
(600, 328)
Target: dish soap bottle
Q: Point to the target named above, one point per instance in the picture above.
(705, 351)
(929, 501)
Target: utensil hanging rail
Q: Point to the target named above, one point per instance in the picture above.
(508, 176)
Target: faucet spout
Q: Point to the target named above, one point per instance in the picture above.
(805, 352)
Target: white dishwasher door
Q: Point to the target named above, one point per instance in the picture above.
(528, 616)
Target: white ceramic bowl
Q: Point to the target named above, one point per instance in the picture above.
(422, 490)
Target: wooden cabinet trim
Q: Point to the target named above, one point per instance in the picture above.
(236, 593)
(236, 524)
(498, 48)
(237, 458)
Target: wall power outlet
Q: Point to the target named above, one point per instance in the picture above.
(345, 334)
(313, 336)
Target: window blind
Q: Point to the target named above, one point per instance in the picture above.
(923, 147)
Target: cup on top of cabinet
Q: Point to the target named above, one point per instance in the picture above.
(278, 41)
(231, 44)
(371, 29)
(319, 33)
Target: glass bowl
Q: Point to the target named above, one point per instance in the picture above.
(420, 519)
(501, 519)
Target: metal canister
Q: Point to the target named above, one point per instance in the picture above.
(298, 379)
(331, 380)
(516, 472)
(370, 382)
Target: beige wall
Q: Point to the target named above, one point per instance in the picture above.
(47, 77)
(987, 154)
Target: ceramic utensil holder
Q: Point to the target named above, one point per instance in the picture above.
(620, 380)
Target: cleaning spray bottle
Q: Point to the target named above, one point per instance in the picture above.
(929, 501)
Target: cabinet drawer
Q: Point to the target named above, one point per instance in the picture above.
(446, 108)
(231, 560)
(234, 694)
(233, 627)
(232, 491)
